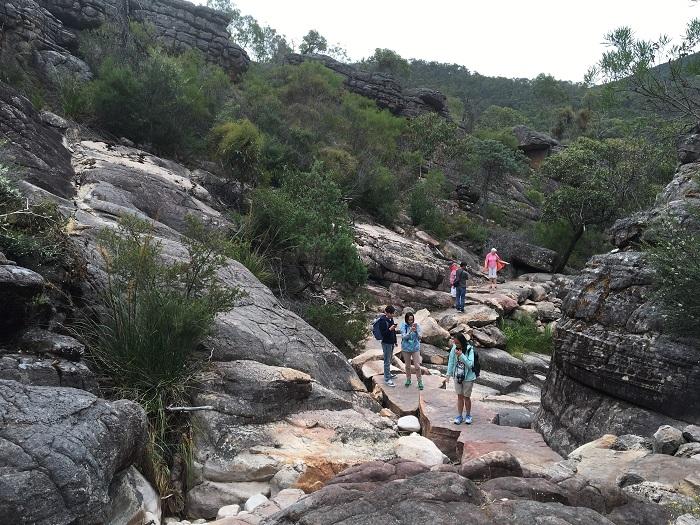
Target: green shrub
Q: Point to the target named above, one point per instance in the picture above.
(150, 318)
(523, 337)
(253, 258)
(675, 256)
(166, 101)
(379, 195)
(31, 233)
(423, 202)
(535, 197)
(306, 222)
(346, 330)
(238, 145)
(475, 232)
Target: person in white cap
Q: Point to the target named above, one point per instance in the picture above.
(492, 264)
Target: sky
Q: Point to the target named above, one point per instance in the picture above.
(511, 38)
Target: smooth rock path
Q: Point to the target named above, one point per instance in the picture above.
(435, 407)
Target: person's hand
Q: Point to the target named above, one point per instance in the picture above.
(392, 328)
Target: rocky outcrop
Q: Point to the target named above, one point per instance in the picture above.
(375, 490)
(535, 145)
(33, 146)
(382, 88)
(682, 193)
(391, 257)
(524, 256)
(61, 449)
(32, 38)
(44, 34)
(615, 369)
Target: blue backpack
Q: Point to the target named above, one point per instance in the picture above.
(376, 332)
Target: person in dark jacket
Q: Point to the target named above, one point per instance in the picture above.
(388, 327)
(461, 286)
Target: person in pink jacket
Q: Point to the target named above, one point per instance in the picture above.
(492, 264)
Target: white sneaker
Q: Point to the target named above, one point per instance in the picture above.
(390, 383)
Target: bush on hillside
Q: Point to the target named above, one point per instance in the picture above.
(150, 318)
(423, 200)
(166, 101)
(29, 232)
(238, 145)
(305, 115)
(306, 223)
(379, 195)
(675, 256)
(345, 329)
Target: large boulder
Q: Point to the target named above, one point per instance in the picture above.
(529, 139)
(523, 255)
(600, 379)
(417, 448)
(689, 145)
(394, 258)
(55, 443)
(416, 296)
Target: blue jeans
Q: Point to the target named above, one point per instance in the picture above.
(459, 302)
(388, 350)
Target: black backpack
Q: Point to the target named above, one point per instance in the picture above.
(477, 366)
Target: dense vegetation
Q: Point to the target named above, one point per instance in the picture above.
(30, 233)
(151, 317)
(524, 336)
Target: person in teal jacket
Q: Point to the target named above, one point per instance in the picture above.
(410, 346)
(460, 368)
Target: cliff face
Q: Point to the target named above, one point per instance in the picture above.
(614, 369)
(44, 34)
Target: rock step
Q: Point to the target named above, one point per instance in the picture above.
(402, 400)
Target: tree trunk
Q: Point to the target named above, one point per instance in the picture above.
(564, 258)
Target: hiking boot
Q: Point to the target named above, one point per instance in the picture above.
(458, 420)
(467, 420)
(390, 383)
(420, 385)
(407, 383)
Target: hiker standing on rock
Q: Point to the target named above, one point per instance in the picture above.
(387, 329)
(492, 265)
(460, 367)
(461, 286)
(410, 347)
(453, 273)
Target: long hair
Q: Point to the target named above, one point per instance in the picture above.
(462, 341)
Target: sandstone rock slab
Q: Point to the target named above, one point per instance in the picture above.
(437, 412)
(525, 444)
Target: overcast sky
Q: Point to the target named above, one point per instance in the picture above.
(511, 38)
